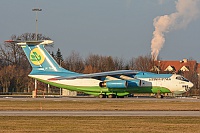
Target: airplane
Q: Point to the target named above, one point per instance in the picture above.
(104, 84)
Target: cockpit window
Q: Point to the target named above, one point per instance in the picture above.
(182, 78)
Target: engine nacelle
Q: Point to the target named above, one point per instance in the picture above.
(114, 84)
(134, 83)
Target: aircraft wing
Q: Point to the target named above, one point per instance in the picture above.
(98, 75)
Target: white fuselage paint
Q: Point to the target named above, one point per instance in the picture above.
(170, 83)
(70, 82)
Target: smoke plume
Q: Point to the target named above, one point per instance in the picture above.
(186, 11)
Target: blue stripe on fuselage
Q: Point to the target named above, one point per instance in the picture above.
(151, 75)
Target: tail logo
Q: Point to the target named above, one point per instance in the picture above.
(36, 57)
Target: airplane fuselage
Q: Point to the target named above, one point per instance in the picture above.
(162, 83)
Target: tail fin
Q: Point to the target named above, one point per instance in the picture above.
(39, 57)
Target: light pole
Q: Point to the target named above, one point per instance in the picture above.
(198, 82)
(36, 10)
(36, 20)
(60, 88)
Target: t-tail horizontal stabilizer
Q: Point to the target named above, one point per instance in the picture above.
(19, 42)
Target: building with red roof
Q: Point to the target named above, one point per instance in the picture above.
(167, 66)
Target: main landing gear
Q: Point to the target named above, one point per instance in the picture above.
(102, 96)
(110, 96)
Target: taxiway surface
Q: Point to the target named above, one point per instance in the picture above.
(100, 113)
(97, 113)
(53, 98)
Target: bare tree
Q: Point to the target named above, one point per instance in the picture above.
(74, 62)
(98, 63)
(10, 53)
(92, 64)
(142, 63)
(30, 37)
(13, 79)
(119, 63)
(14, 65)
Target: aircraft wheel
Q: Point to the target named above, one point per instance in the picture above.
(101, 96)
(159, 96)
(111, 96)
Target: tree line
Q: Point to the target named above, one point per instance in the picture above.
(15, 67)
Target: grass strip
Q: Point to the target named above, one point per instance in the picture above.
(111, 124)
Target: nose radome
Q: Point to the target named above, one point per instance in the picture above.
(191, 85)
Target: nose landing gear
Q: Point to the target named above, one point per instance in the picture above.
(159, 95)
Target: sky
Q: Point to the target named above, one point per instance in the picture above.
(117, 28)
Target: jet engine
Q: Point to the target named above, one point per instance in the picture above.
(114, 84)
(134, 83)
(120, 84)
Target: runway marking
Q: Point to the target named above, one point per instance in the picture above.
(100, 113)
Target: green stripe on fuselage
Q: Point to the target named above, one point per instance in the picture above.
(96, 90)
